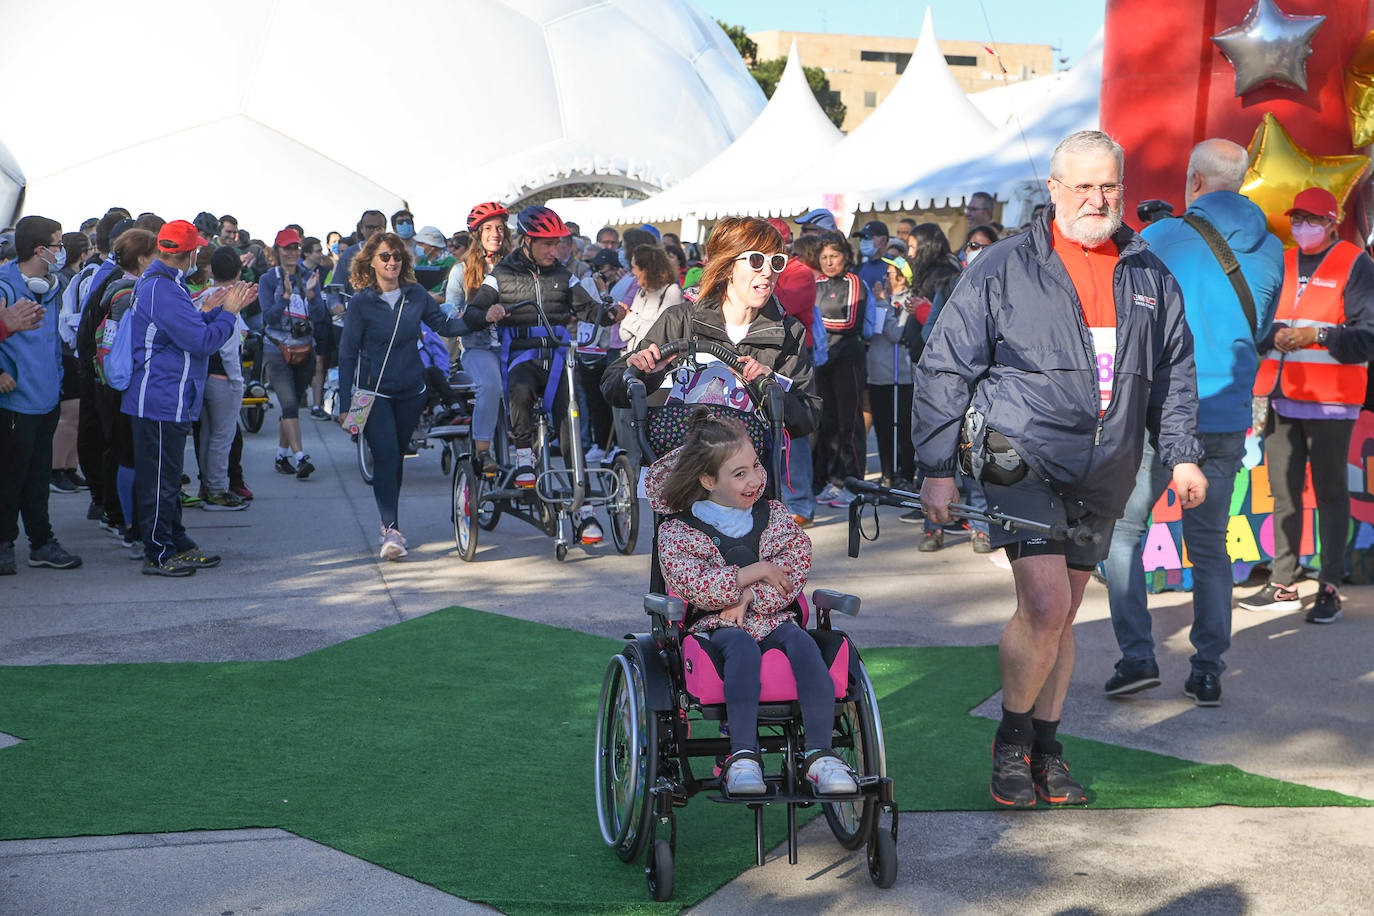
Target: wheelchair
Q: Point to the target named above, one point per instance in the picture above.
(563, 481)
(667, 682)
(256, 402)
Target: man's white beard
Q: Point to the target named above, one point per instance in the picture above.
(1090, 234)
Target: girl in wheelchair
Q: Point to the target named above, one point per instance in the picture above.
(741, 562)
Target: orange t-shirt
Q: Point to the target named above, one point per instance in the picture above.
(1091, 270)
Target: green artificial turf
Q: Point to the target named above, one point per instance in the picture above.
(456, 749)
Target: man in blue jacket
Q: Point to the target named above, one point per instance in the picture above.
(30, 385)
(1226, 363)
(1059, 348)
(172, 343)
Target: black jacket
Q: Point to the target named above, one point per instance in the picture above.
(775, 339)
(516, 280)
(367, 331)
(1013, 342)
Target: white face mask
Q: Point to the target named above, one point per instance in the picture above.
(971, 254)
(1310, 238)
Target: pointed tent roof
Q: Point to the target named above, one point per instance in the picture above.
(926, 120)
(1018, 155)
(755, 158)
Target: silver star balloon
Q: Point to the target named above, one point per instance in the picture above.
(1269, 46)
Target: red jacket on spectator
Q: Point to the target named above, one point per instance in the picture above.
(796, 292)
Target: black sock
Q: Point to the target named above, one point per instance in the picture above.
(1016, 727)
(1045, 743)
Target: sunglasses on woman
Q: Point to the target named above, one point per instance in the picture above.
(386, 256)
(757, 259)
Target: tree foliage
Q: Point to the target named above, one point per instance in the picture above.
(768, 72)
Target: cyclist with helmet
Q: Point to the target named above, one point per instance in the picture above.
(481, 349)
(533, 274)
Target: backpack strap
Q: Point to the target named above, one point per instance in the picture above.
(1227, 259)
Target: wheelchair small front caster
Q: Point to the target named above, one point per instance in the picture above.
(882, 857)
(659, 871)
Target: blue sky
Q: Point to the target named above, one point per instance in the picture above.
(1066, 24)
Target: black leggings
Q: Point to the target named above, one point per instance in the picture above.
(527, 381)
(842, 446)
(815, 689)
(388, 430)
(880, 399)
(598, 408)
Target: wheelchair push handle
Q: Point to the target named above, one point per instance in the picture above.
(764, 387)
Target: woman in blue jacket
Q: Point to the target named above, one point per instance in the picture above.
(291, 309)
(380, 353)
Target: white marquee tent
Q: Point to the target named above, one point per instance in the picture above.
(1014, 163)
(790, 135)
(11, 187)
(304, 111)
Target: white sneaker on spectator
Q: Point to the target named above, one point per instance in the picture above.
(829, 493)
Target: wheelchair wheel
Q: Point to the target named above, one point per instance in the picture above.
(882, 858)
(858, 742)
(467, 496)
(626, 759)
(659, 871)
(364, 459)
(252, 416)
(624, 509)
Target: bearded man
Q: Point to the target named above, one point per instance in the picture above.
(1056, 353)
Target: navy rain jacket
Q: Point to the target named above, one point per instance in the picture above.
(1012, 341)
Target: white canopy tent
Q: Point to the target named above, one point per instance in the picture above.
(1014, 163)
(305, 111)
(11, 187)
(927, 120)
(789, 136)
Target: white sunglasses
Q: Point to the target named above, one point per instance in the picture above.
(757, 259)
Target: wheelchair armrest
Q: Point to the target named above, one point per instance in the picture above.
(826, 599)
(669, 607)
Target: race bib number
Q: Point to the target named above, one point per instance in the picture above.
(1104, 346)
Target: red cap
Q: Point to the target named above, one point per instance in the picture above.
(287, 237)
(783, 229)
(1318, 202)
(178, 237)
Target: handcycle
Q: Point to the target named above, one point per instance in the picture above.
(665, 682)
(478, 500)
(255, 399)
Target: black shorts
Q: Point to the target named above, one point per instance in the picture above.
(1032, 499)
(71, 378)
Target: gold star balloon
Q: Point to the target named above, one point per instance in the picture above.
(1359, 93)
(1279, 169)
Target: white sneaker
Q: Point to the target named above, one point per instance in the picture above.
(588, 529)
(524, 458)
(393, 545)
(745, 777)
(829, 493)
(595, 455)
(829, 775)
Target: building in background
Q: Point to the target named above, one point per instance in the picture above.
(864, 68)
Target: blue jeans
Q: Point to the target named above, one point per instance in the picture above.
(1204, 531)
(796, 485)
(484, 368)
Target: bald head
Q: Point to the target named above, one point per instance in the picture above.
(1215, 165)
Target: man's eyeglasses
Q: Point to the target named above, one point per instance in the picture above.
(757, 259)
(1110, 191)
(386, 256)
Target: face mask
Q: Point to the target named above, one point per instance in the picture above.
(624, 261)
(1309, 237)
(867, 248)
(405, 230)
(971, 254)
(57, 263)
(334, 248)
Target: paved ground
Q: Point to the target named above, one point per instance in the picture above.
(300, 573)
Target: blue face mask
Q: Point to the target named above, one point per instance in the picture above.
(334, 248)
(405, 230)
(867, 248)
(624, 262)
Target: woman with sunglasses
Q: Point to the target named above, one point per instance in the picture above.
(292, 307)
(979, 237)
(380, 353)
(734, 306)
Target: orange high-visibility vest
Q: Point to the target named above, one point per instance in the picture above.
(1312, 374)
